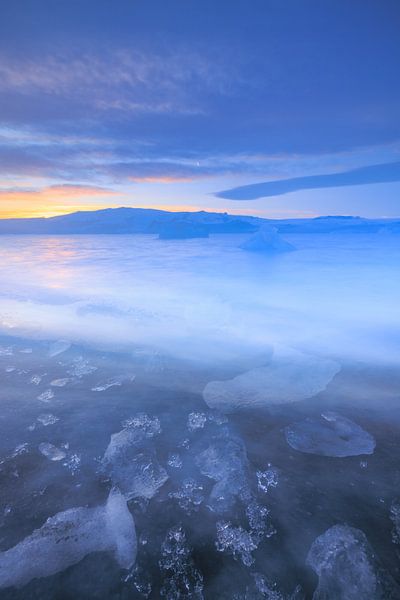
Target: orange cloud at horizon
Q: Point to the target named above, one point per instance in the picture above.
(50, 201)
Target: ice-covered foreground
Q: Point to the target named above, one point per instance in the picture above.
(188, 420)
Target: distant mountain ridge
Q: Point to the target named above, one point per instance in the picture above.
(147, 220)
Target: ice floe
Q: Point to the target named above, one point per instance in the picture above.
(289, 377)
(329, 435)
(225, 461)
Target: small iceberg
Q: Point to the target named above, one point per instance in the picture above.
(268, 241)
(69, 536)
(329, 435)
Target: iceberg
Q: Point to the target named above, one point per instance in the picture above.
(268, 241)
(329, 435)
(289, 377)
(69, 536)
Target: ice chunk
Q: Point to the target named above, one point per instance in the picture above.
(259, 521)
(81, 367)
(329, 435)
(46, 396)
(196, 420)
(268, 241)
(60, 382)
(347, 567)
(267, 479)
(130, 460)
(20, 449)
(59, 347)
(236, 541)
(174, 461)
(289, 377)
(182, 579)
(147, 426)
(10, 369)
(224, 461)
(189, 496)
(112, 382)
(36, 379)
(26, 351)
(51, 452)
(67, 537)
(47, 419)
(73, 463)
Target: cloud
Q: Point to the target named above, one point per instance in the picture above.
(381, 173)
(120, 80)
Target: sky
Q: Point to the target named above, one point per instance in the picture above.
(275, 108)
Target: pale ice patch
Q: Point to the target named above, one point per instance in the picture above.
(348, 568)
(112, 382)
(47, 419)
(174, 460)
(196, 420)
(46, 396)
(51, 452)
(267, 479)
(289, 377)
(69, 536)
(62, 382)
(329, 435)
(81, 367)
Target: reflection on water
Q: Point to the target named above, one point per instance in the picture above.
(197, 421)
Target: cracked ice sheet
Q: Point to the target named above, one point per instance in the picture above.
(289, 377)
